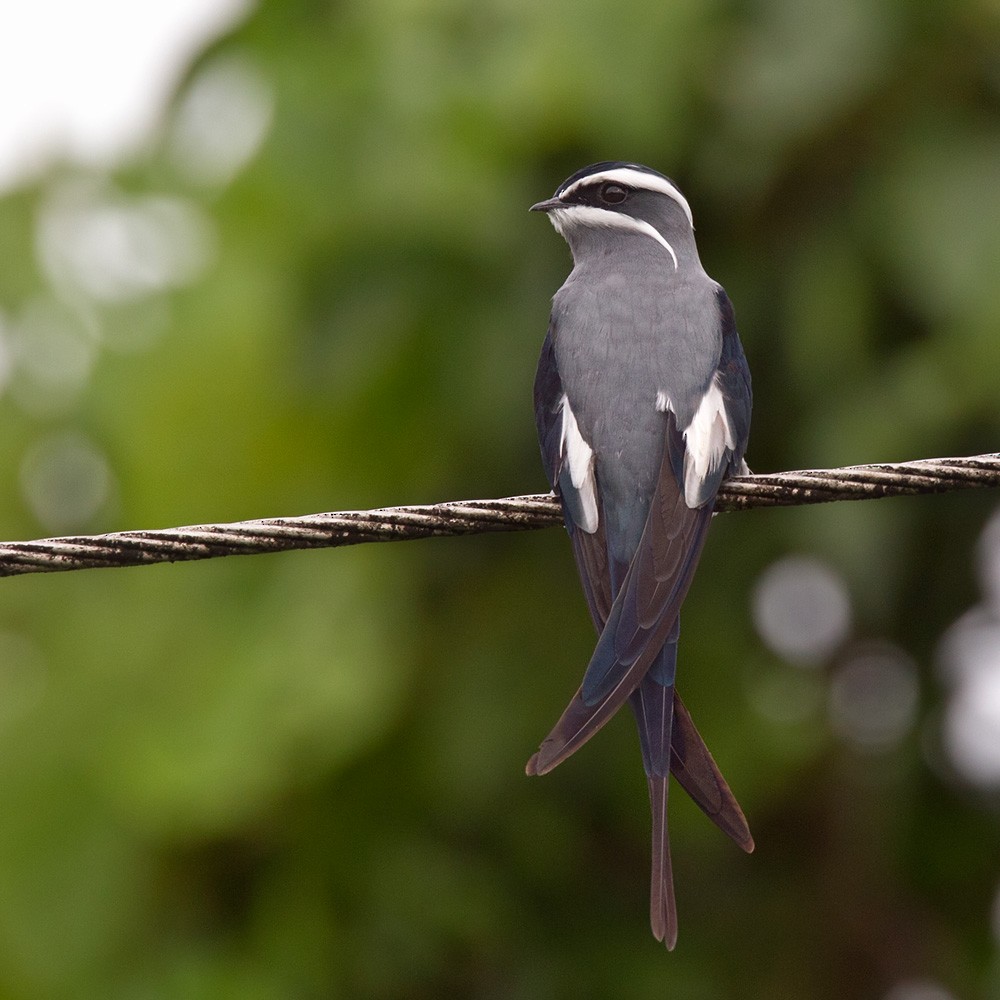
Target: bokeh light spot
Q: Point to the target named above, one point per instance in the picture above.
(112, 248)
(65, 481)
(989, 562)
(970, 662)
(53, 353)
(221, 121)
(874, 694)
(801, 609)
(918, 989)
(972, 727)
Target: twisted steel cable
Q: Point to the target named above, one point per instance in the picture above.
(311, 531)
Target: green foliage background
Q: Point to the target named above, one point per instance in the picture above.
(301, 775)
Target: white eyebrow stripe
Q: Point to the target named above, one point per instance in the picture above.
(634, 179)
(583, 215)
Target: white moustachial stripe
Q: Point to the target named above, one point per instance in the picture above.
(707, 438)
(579, 456)
(586, 215)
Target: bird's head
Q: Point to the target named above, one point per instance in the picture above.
(598, 205)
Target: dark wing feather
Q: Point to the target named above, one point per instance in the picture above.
(589, 548)
(657, 581)
(733, 379)
(548, 418)
(634, 632)
(691, 762)
(591, 554)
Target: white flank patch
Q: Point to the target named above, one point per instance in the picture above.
(579, 456)
(663, 402)
(585, 215)
(707, 438)
(633, 178)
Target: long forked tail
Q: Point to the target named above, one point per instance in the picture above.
(695, 769)
(662, 904)
(652, 703)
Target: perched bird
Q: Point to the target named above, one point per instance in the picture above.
(642, 401)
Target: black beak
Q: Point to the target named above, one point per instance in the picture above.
(546, 206)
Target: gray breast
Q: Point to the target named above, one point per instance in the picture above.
(627, 329)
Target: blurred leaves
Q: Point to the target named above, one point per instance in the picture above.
(319, 288)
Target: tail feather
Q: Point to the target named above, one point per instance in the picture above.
(698, 774)
(662, 904)
(620, 676)
(653, 704)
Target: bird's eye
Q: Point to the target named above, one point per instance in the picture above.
(613, 194)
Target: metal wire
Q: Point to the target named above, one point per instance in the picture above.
(387, 524)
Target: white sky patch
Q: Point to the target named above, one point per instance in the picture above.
(88, 81)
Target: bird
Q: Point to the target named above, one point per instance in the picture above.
(642, 402)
